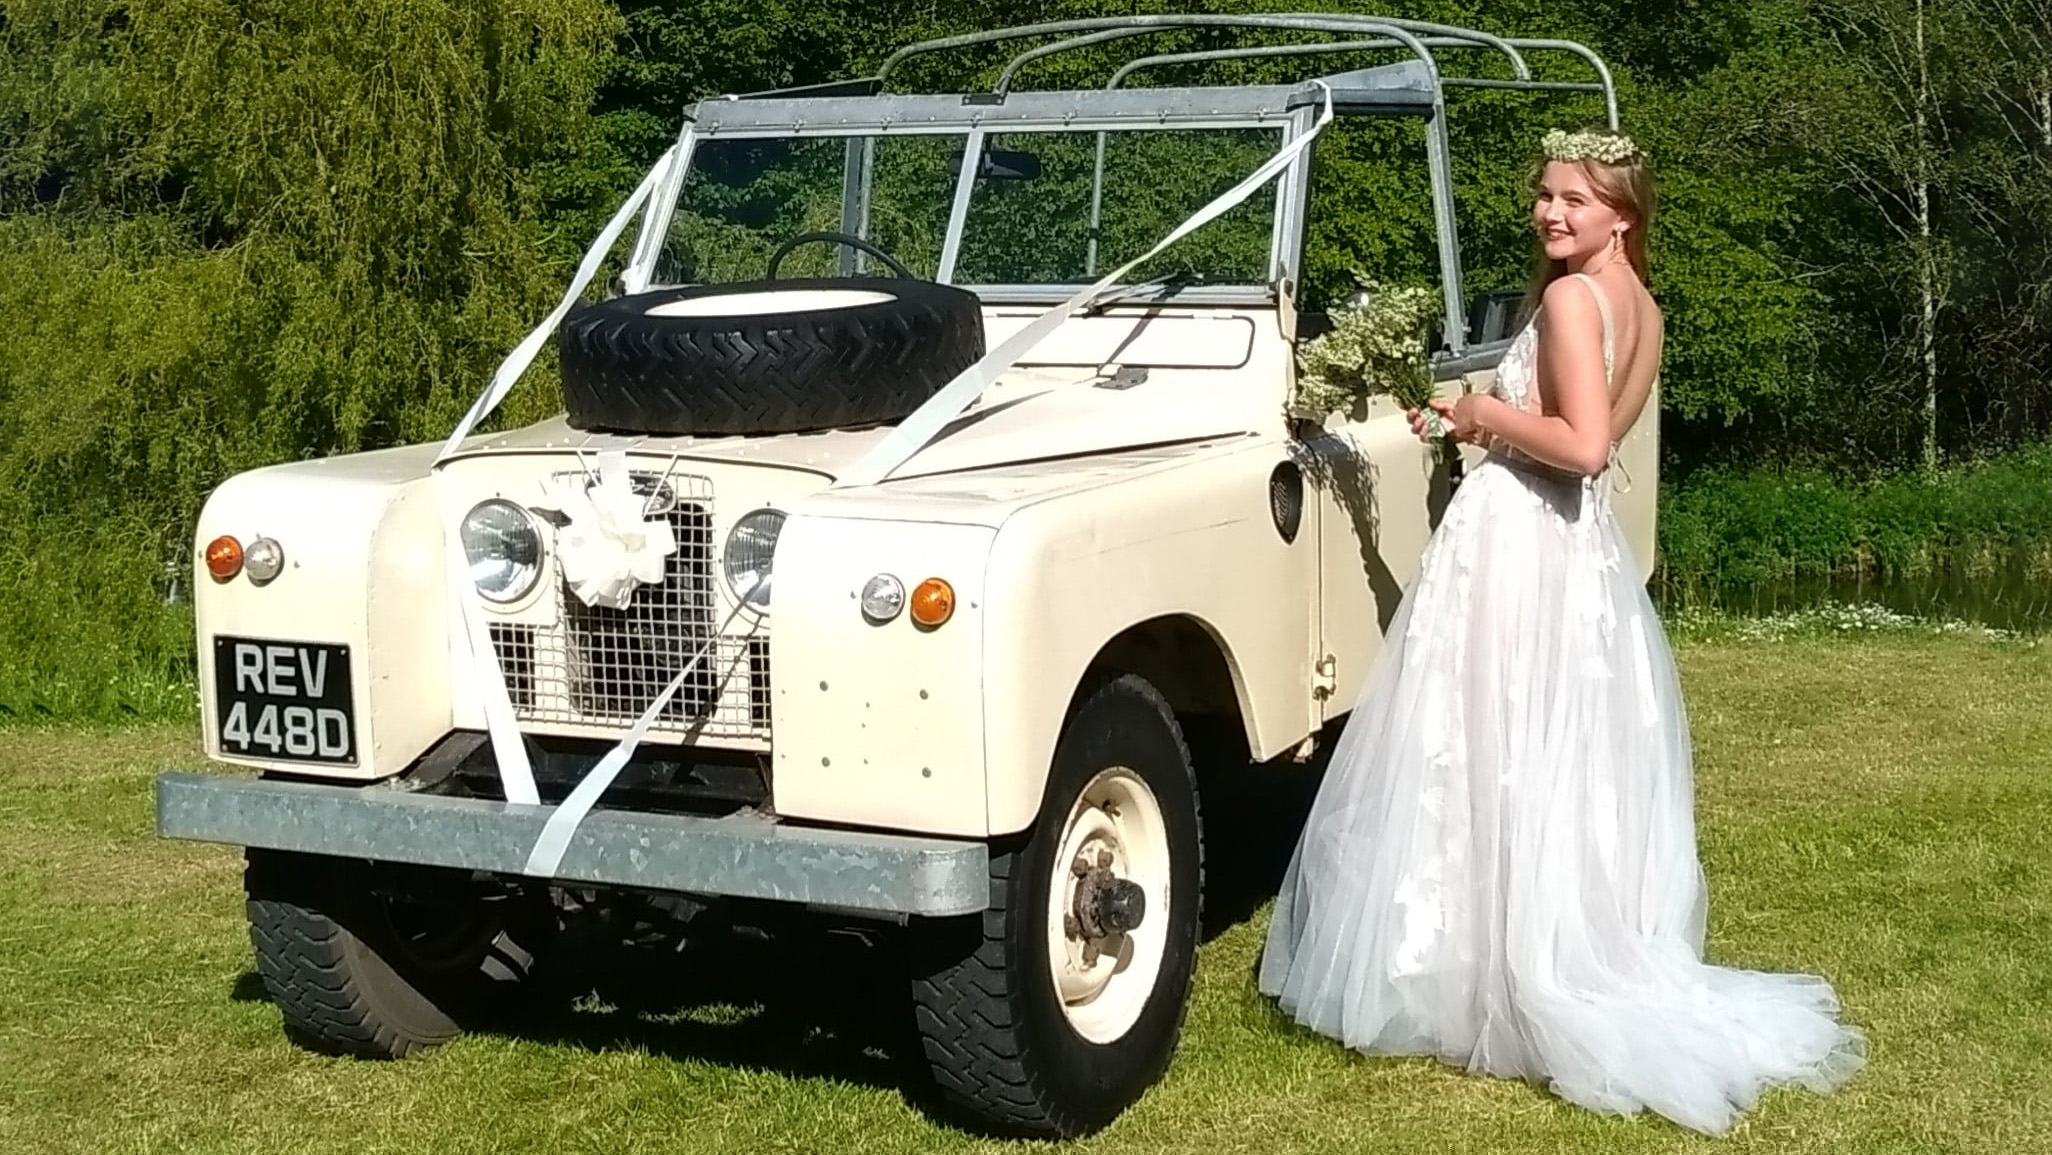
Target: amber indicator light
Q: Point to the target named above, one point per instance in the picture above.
(933, 603)
(224, 558)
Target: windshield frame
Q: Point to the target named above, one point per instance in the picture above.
(863, 120)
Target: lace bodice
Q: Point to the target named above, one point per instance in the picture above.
(1518, 373)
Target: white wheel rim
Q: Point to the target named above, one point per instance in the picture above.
(1117, 814)
(769, 301)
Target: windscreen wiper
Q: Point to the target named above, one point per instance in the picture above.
(1114, 294)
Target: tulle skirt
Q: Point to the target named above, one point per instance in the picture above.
(1500, 867)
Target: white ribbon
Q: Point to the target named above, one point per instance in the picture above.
(554, 842)
(917, 431)
(516, 775)
(611, 546)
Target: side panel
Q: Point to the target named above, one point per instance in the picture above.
(1068, 575)
(348, 580)
(1636, 498)
(878, 724)
(1378, 496)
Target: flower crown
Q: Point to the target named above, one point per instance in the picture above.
(1606, 147)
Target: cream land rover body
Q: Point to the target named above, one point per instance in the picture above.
(1127, 498)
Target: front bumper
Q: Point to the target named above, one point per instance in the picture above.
(742, 856)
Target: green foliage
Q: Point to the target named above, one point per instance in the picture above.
(1723, 528)
(237, 234)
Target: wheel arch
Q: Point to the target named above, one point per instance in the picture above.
(1188, 660)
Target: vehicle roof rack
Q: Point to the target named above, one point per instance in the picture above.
(1422, 39)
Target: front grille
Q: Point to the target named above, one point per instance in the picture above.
(621, 659)
(758, 682)
(515, 644)
(600, 665)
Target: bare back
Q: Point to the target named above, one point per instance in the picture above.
(1633, 334)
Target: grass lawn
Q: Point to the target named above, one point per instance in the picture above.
(1874, 808)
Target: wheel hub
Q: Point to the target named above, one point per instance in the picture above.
(1107, 905)
(1113, 870)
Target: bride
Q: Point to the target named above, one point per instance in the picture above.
(1500, 867)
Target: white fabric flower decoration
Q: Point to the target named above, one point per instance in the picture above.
(611, 546)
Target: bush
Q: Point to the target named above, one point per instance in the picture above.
(1722, 529)
(233, 235)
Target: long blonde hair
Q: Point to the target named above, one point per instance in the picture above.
(1627, 187)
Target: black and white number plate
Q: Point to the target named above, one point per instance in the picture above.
(287, 700)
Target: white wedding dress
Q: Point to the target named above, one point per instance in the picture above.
(1500, 867)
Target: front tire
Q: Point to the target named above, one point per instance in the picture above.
(1052, 1011)
(382, 962)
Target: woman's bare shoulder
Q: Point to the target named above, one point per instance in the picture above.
(1568, 301)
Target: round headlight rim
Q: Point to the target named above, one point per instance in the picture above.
(519, 591)
(749, 523)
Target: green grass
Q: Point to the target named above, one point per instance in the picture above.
(1874, 808)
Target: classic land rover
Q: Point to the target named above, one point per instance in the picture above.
(1012, 575)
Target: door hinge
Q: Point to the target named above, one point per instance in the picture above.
(1325, 677)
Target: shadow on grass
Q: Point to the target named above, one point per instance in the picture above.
(796, 1001)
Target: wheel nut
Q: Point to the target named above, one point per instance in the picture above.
(1081, 866)
(1104, 859)
(1090, 954)
(1072, 926)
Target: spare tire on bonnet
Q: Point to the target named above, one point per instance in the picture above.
(766, 356)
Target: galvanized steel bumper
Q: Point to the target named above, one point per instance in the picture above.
(744, 856)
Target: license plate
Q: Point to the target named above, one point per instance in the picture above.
(286, 700)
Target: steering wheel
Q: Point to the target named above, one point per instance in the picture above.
(853, 242)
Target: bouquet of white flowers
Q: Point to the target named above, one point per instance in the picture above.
(1377, 346)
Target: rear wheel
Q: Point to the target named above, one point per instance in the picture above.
(379, 961)
(1053, 1010)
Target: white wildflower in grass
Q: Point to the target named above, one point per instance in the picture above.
(1825, 620)
(1377, 347)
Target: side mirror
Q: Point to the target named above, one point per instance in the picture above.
(1492, 315)
(999, 164)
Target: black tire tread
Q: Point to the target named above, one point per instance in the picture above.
(625, 370)
(965, 1011)
(336, 991)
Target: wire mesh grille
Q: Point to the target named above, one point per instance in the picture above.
(596, 664)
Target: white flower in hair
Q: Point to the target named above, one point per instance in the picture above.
(611, 546)
(1604, 147)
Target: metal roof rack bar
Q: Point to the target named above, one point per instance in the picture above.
(1299, 22)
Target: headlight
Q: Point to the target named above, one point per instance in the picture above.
(751, 547)
(504, 550)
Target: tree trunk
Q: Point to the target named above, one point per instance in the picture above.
(1927, 273)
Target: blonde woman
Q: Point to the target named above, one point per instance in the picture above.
(1500, 868)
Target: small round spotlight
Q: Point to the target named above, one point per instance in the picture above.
(263, 560)
(883, 598)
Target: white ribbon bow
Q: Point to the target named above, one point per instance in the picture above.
(611, 545)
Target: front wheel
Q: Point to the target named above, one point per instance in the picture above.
(1057, 1007)
(381, 962)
